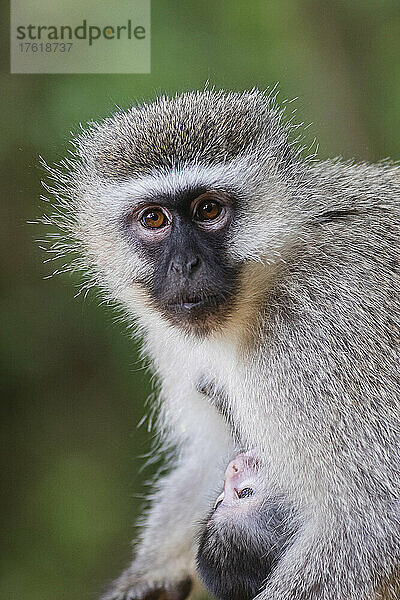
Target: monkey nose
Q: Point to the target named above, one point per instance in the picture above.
(233, 474)
(184, 266)
(242, 462)
(241, 465)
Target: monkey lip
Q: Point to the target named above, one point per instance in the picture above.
(192, 304)
(189, 304)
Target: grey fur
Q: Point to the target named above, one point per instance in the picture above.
(308, 357)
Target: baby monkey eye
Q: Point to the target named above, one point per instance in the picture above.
(154, 218)
(245, 493)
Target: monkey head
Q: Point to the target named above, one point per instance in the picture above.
(244, 534)
(163, 202)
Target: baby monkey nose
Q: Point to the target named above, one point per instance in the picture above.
(242, 465)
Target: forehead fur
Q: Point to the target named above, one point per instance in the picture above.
(211, 127)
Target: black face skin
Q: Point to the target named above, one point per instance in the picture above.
(184, 238)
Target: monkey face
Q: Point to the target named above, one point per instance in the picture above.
(174, 205)
(184, 240)
(176, 244)
(241, 483)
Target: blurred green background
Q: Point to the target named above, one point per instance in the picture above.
(72, 388)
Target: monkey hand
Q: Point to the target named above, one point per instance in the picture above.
(164, 564)
(131, 586)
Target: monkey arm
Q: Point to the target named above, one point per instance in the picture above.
(164, 562)
(312, 569)
(163, 558)
(345, 458)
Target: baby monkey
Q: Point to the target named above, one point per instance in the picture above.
(244, 535)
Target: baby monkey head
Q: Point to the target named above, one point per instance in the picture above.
(169, 201)
(244, 535)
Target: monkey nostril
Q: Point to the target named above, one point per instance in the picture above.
(184, 267)
(175, 267)
(193, 263)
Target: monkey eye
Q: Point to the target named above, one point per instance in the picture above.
(154, 218)
(211, 210)
(207, 210)
(245, 493)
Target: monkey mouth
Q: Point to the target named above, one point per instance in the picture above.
(196, 313)
(191, 304)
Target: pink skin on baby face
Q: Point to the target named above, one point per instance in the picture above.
(240, 484)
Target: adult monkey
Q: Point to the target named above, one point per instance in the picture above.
(275, 280)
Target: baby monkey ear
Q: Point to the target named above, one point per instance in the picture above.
(177, 591)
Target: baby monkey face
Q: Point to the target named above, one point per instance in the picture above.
(241, 484)
(245, 534)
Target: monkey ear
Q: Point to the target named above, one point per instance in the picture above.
(177, 591)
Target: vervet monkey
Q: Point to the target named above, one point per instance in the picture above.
(274, 278)
(244, 535)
